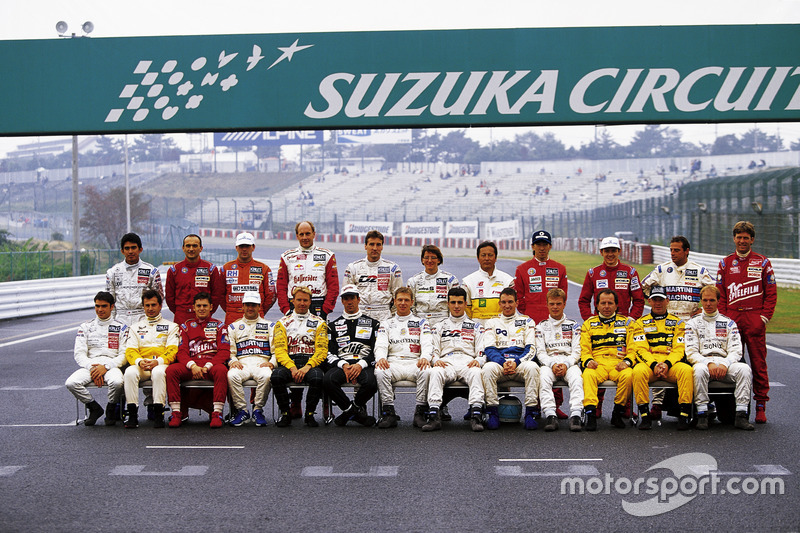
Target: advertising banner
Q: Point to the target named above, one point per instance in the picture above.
(267, 138)
(466, 229)
(423, 230)
(499, 231)
(401, 79)
(360, 228)
(373, 136)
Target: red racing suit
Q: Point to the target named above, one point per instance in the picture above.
(532, 281)
(748, 296)
(241, 277)
(204, 343)
(622, 279)
(314, 267)
(185, 280)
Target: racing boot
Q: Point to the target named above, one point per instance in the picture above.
(131, 416)
(645, 418)
(158, 415)
(420, 416)
(310, 420)
(434, 421)
(346, 415)
(702, 421)
(285, 420)
(531, 413)
(617, 416)
(683, 416)
(388, 418)
(492, 417)
(761, 412)
(591, 418)
(112, 413)
(741, 421)
(476, 418)
(655, 411)
(575, 423)
(362, 417)
(95, 412)
(552, 423)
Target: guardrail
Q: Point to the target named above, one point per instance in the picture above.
(38, 297)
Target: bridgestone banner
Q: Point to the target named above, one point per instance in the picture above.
(424, 230)
(467, 229)
(401, 79)
(360, 228)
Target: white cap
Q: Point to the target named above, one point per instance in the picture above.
(245, 238)
(610, 242)
(251, 297)
(350, 289)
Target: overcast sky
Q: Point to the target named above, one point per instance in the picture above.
(36, 19)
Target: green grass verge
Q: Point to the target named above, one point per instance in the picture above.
(787, 313)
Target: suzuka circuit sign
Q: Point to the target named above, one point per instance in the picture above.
(401, 79)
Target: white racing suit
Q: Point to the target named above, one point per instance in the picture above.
(682, 285)
(126, 283)
(715, 339)
(430, 295)
(559, 342)
(251, 345)
(99, 342)
(376, 282)
(403, 341)
(510, 338)
(457, 341)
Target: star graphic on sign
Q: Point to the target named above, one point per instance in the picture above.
(289, 51)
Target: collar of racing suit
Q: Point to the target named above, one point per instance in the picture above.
(607, 320)
(458, 319)
(250, 322)
(300, 317)
(348, 316)
(742, 257)
(154, 319)
(659, 317)
(135, 265)
(710, 318)
(557, 322)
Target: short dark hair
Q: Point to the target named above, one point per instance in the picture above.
(743, 226)
(608, 291)
(509, 291)
(484, 244)
(682, 240)
(193, 235)
(105, 296)
(201, 296)
(373, 234)
(130, 237)
(152, 293)
(432, 249)
(457, 291)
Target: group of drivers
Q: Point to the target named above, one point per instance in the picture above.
(431, 332)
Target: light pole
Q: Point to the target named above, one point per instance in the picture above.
(61, 28)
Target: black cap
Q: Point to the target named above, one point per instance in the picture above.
(541, 235)
(658, 292)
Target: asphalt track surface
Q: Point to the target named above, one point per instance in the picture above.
(56, 476)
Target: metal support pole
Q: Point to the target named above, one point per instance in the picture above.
(76, 223)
